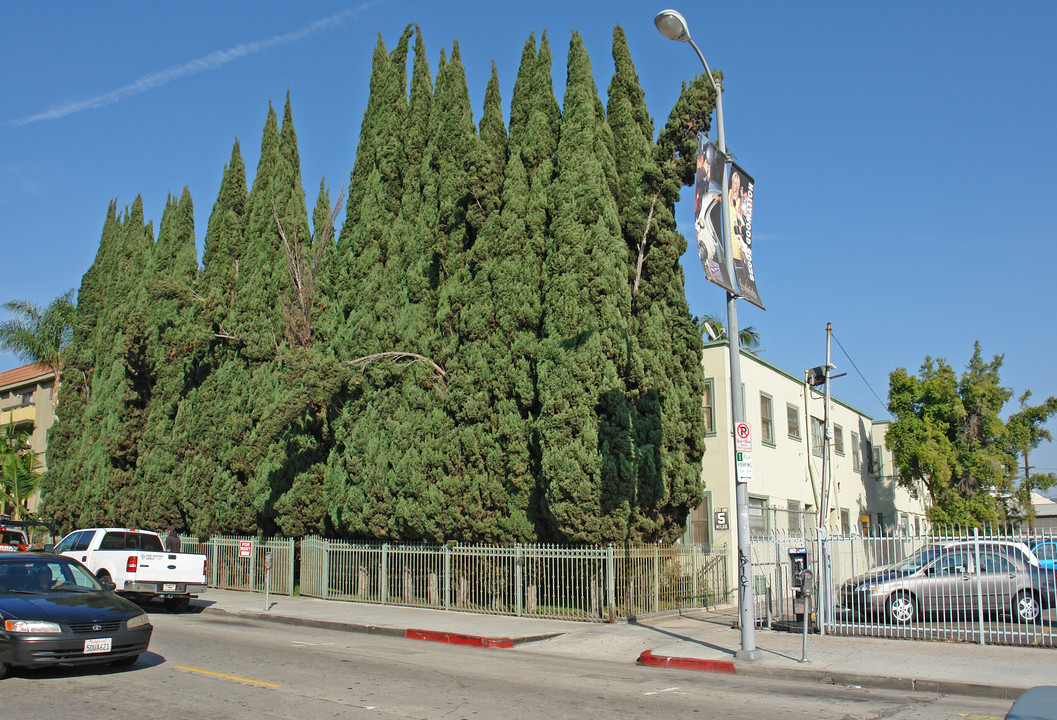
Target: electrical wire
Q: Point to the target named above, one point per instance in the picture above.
(865, 381)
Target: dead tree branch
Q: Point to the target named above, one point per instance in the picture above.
(642, 245)
(438, 377)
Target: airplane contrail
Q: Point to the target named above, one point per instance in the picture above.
(211, 61)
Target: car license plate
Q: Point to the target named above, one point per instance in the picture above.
(99, 645)
(168, 587)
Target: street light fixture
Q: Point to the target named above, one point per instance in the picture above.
(673, 26)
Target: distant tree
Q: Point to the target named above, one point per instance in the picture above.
(948, 434)
(41, 336)
(1025, 431)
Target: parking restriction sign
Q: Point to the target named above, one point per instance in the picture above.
(742, 438)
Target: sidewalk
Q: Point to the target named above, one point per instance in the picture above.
(702, 640)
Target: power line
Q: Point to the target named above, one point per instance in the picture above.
(867, 383)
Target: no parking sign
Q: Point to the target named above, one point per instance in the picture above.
(743, 452)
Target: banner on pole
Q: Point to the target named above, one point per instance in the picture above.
(708, 214)
(741, 189)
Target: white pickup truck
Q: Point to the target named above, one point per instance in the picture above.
(137, 563)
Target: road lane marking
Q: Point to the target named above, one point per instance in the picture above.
(655, 692)
(229, 677)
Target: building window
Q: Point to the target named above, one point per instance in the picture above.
(26, 399)
(875, 461)
(838, 439)
(845, 521)
(701, 523)
(817, 430)
(795, 517)
(856, 461)
(757, 515)
(792, 419)
(707, 409)
(767, 419)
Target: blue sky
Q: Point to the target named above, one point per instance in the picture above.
(903, 152)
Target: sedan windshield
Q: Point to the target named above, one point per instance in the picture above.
(44, 575)
(918, 560)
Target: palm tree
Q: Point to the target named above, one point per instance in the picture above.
(40, 336)
(713, 328)
(18, 470)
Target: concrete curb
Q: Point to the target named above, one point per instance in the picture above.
(828, 677)
(410, 633)
(716, 666)
(648, 658)
(308, 622)
(458, 638)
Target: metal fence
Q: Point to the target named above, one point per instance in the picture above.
(954, 584)
(568, 583)
(239, 563)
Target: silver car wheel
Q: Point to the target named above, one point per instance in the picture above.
(1025, 607)
(901, 608)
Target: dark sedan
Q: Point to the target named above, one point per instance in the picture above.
(55, 612)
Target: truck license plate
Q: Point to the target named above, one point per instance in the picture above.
(99, 645)
(168, 587)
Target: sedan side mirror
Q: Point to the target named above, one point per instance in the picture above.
(108, 585)
(49, 548)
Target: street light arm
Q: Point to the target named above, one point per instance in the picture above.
(719, 96)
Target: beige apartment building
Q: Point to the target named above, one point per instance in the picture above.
(786, 421)
(25, 402)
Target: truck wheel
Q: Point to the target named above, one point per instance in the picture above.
(3, 670)
(177, 604)
(104, 577)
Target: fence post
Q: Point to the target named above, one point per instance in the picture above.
(290, 566)
(447, 577)
(611, 584)
(979, 583)
(519, 580)
(656, 578)
(325, 572)
(212, 561)
(383, 589)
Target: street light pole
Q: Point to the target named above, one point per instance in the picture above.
(673, 26)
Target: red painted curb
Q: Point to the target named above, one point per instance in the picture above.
(458, 639)
(717, 666)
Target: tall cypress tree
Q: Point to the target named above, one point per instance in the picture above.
(586, 458)
(664, 378)
(360, 475)
(224, 241)
(95, 472)
(163, 315)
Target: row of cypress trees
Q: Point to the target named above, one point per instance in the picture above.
(496, 348)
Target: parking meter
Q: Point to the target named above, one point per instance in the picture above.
(267, 579)
(807, 580)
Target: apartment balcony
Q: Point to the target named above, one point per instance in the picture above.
(19, 415)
